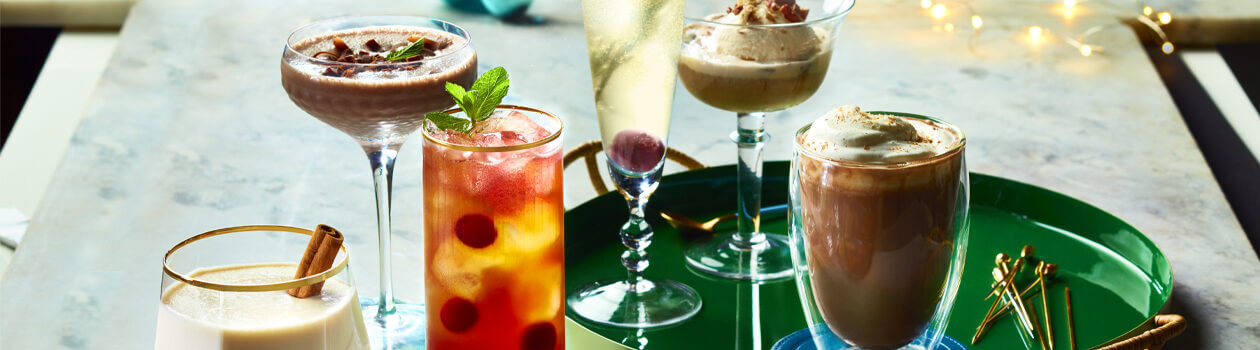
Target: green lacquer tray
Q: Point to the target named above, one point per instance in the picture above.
(1118, 277)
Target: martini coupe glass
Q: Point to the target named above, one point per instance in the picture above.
(753, 69)
(378, 102)
(633, 49)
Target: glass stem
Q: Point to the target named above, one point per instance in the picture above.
(383, 180)
(750, 136)
(636, 235)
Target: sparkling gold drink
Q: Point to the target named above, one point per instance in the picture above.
(633, 48)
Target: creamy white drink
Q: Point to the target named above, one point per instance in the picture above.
(200, 318)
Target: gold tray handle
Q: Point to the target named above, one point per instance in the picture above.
(588, 150)
(1166, 327)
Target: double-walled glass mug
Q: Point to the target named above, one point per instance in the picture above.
(227, 289)
(878, 248)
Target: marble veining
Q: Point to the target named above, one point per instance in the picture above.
(190, 130)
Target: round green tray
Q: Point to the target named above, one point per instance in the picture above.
(1119, 278)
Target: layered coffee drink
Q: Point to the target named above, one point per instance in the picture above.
(879, 214)
(355, 80)
(752, 59)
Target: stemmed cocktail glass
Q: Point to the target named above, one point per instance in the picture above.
(752, 67)
(633, 48)
(378, 103)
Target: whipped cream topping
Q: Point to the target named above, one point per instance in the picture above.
(752, 44)
(848, 134)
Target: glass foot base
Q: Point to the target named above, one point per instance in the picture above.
(404, 329)
(765, 261)
(657, 304)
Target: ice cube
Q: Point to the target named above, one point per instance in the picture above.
(460, 269)
(522, 129)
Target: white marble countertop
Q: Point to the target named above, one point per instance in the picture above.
(191, 131)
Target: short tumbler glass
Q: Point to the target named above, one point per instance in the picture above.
(227, 289)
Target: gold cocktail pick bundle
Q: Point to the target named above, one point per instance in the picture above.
(1021, 303)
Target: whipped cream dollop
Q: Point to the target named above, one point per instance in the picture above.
(846, 133)
(758, 44)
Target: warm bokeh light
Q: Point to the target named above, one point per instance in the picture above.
(1167, 47)
(1035, 32)
(1086, 50)
(1165, 17)
(938, 11)
(1146, 10)
(949, 27)
(926, 3)
(976, 22)
(1069, 3)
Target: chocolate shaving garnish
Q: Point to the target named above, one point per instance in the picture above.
(334, 56)
(340, 45)
(372, 45)
(790, 10)
(330, 72)
(413, 38)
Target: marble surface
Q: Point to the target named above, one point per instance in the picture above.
(191, 131)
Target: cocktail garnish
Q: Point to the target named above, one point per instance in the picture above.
(477, 103)
(407, 52)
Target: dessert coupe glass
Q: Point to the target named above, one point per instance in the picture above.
(734, 79)
(379, 107)
(226, 289)
(878, 249)
(633, 49)
(494, 236)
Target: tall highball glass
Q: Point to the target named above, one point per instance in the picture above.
(753, 69)
(633, 49)
(378, 103)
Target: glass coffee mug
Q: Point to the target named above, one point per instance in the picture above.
(227, 289)
(878, 248)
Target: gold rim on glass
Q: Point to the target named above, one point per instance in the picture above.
(958, 147)
(301, 282)
(543, 141)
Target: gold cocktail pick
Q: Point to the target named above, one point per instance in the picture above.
(1006, 307)
(1000, 260)
(1067, 295)
(1044, 269)
(1024, 254)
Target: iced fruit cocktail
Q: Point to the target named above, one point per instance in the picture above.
(494, 228)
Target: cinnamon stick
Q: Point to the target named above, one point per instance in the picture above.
(318, 257)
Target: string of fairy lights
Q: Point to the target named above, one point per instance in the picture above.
(1149, 17)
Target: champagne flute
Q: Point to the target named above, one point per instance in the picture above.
(633, 48)
(378, 103)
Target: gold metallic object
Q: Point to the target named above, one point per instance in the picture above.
(1044, 269)
(1000, 260)
(223, 287)
(1067, 295)
(685, 223)
(1024, 254)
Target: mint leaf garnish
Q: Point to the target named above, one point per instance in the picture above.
(489, 90)
(450, 122)
(407, 52)
(478, 103)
